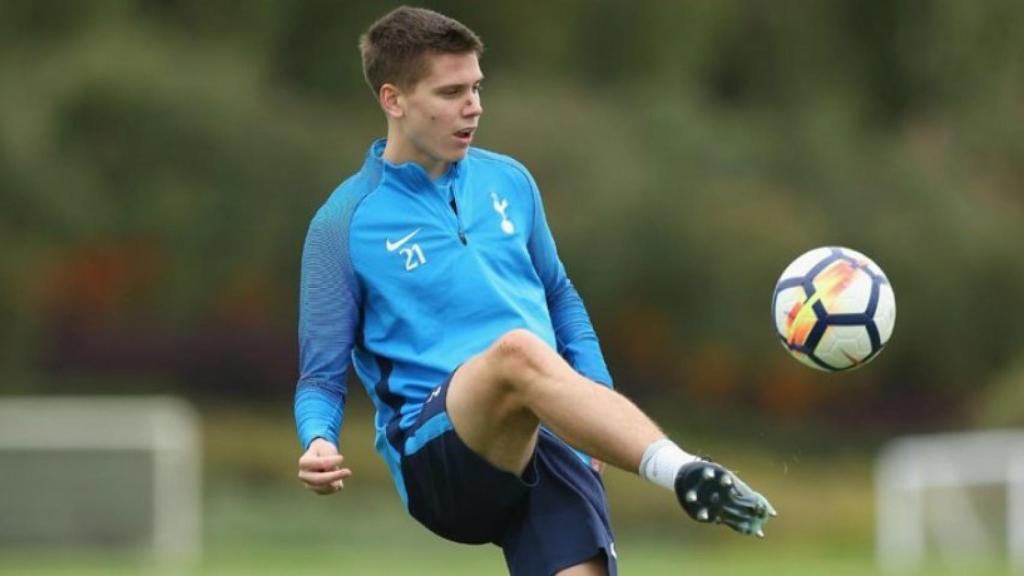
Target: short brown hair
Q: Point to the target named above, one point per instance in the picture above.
(393, 48)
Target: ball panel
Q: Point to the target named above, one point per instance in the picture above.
(792, 323)
(844, 347)
(876, 341)
(843, 288)
(885, 313)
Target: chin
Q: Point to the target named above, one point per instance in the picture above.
(458, 155)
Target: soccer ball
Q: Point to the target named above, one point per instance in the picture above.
(833, 309)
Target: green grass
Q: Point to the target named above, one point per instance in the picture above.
(640, 558)
(265, 530)
(258, 521)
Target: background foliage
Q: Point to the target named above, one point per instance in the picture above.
(159, 161)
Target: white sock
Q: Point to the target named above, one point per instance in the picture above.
(661, 460)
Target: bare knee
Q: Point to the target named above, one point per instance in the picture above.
(519, 356)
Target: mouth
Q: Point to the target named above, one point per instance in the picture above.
(465, 136)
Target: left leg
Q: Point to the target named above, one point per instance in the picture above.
(497, 399)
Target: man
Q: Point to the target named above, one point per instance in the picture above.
(432, 270)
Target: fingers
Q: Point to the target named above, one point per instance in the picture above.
(317, 463)
(320, 478)
(320, 469)
(325, 482)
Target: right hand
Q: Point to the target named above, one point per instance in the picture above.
(320, 468)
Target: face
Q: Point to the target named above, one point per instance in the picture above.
(434, 123)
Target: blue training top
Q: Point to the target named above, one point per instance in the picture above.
(407, 278)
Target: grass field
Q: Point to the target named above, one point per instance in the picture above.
(639, 558)
(256, 531)
(258, 521)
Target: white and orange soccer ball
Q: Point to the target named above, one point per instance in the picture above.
(833, 308)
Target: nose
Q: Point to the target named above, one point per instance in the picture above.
(473, 105)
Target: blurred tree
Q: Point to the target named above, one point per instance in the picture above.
(160, 160)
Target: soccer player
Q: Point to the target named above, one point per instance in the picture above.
(433, 272)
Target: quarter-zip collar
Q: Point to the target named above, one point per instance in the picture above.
(410, 174)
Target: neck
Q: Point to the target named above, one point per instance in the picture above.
(398, 150)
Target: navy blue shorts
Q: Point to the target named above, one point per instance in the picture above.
(553, 517)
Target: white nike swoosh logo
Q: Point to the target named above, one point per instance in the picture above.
(392, 246)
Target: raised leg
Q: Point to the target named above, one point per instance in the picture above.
(497, 399)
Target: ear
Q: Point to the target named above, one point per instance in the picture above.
(391, 100)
